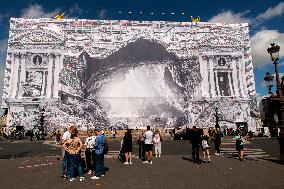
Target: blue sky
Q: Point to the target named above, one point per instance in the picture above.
(266, 18)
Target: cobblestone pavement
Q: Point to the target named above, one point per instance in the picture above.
(39, 168)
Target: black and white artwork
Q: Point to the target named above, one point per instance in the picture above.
(128, 74)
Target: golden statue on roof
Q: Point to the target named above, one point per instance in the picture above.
(195, 20)
(59, 16)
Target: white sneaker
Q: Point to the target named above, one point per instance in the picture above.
(159, 155)
(90, 172)
(151, 162)
(72, 179)
(130, 163)
(145, 162)
(156, 155)
(126, 163)
(95, 178)
(102, 175)
(82, 178)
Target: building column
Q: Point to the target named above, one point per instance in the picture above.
(15, 75)
(10, 91)
(56, 75)
(240, 78)
(206, 81)
(245, 88)
(42, 93)
(235, 78)
(212, 81)
(204, 75)
(49, 76)
(230, 84)
(61, 62)
(217, 83)
(22, 74)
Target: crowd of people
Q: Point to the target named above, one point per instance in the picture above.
(200, 138)
(95, 145)
(148, 142)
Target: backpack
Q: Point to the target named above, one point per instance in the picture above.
(204, 144)
(239, 142)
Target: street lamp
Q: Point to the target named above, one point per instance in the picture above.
(278, 100)
(274, 54)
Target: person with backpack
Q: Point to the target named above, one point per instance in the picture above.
(73, 147)
(65, 164)
(240, 146)
(205, 147)
(140, 141)
(98, 155)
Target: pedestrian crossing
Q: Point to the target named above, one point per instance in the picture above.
(228, 149)
(251, 153)
(112, 154)
(231, 140)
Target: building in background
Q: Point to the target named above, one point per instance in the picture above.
(110, 73)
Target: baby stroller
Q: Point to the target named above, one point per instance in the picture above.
(121, 156)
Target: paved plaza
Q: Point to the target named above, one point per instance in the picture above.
(26, 164)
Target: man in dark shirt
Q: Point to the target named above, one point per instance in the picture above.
(217, 140)
(195, 142)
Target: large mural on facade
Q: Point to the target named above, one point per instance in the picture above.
(110, 73)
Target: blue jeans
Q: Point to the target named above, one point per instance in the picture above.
(98, 159)
(75, 159)
(65, 165)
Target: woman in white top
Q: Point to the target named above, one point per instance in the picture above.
(157, 143)
(89, 144)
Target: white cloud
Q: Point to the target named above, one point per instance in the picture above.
(230, 17)
(37, 11)
(272, 12)
(261, 41)
(102, 13)
(76, 9)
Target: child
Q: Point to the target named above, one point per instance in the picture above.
(57, 137)
(205, 148)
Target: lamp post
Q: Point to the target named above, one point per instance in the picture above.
(279, 98)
